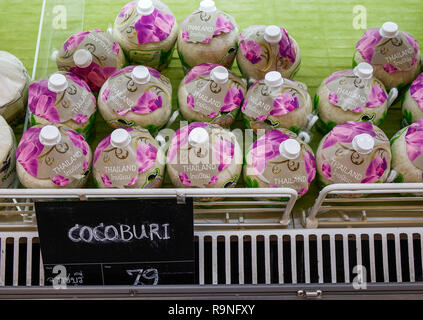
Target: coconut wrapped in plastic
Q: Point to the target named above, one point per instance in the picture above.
(63, 99)
(278, 159)
(147, 32)
(352, 95)
(204, 155)
(412, 104)
(208, 35)
(210, 93)
(394, 55)
(276, 102)
(14, 81)
(7, 155)
(129, 158)
(354, 152)
(407, 154)
(136, 96)
(92, 55)
(267, 48)
(53, 156)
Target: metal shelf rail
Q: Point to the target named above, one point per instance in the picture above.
(367, 205)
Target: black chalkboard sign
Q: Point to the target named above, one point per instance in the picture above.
(117, 242)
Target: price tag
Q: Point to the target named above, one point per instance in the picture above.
(118, 242)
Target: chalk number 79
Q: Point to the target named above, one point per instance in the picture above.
(144, 277)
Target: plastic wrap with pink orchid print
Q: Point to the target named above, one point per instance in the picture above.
(202, 100)
(372, 39)
(215, 24)
(267, 168)
(50, 107)
(287, 106)
(31, 156)
(338, 162)
(257, 56)
(217, 168)
(107, 57)
(146, 105)
(414, 143)
(416, 91)
(135, 165)
(376, 96)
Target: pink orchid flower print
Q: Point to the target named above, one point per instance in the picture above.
(146, 157)
(389, 68)
(377, 97)
(366, 45)
(223, 25)
(29, 149)
(105, 143)
(286, 49)
(283, 104)
(333, 98)
(233, 100)
(75, 40)
(180, 139)
(251, 50)
(191, 101)
(310, 166)
(414, 140)
(224, 153)
(326, 170)
(61, 181)
(416, 90)
(155, 27)
(126, 10)
(184, 179)
(78, 81)
(78, 141)
(346, 132)
(80, 118)
(41, 101)
(266, 148)
(94, 75)
(375, 170)
(106, 180)
(337, 75)
(199, 71)
(148, 103)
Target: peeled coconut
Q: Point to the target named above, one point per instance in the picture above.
(279, 159)
(210, 93)
(267, 48)
(53, 157)
(203, 155)
(208, 35)
(136, 96)
(147, 32)
(129, 158)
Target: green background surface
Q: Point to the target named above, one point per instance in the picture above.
(324, 30)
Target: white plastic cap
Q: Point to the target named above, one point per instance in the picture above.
(273, 34)
(145, 7)
(363, 143)
(50, 136)
(57, 83)
(82, 58)
(273, 79)
(120, 138)
(364, 70)
(208, 6)
(290, 149)
(141, 75)
(198, 137)
(220, 75)
(389, 30)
